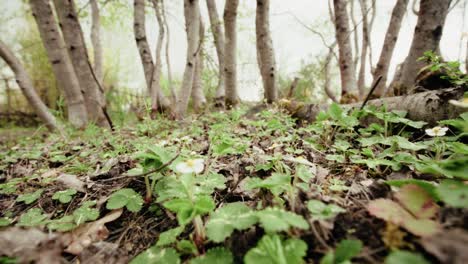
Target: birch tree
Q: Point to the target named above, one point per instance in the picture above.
(427, 35)
(96, 41)
(168, 60)
(60, 61)
(192, 27)
(218, 36)
(198, 95)
(265, 51)
(391, 38)
(347, 70)
(155, 87)
(26, 85)
(139, 30)
(230, 58)
(75, 43)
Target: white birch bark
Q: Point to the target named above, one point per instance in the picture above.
(427, 35)
(26, 86)
(218, 36)
(347, 71)
(74, 40)
(198, 95)
(192, 18)
(96, 41)
(230, 56)
(265, 51)
(60, 61)
(391, 38)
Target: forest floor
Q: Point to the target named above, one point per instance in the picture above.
(235, 187)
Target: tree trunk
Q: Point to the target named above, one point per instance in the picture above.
(388, 47)
(347, 71)
(156, 75)
(198, 95)
(61, 64)
(168, 61)
(265, 51)
(218, 36)
(192, 18)
(466, 58)
(365, 45)
(139, 30)
(96, 41)
(76, 47)
(230, 59)
(427, 35)
(26, 85)
(429, 106)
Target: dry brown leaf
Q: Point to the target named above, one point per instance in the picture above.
(71, 181)
(90, 233)
(448, 246)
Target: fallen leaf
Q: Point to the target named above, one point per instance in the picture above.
(448, 246)
(84, 236)
(72, 182)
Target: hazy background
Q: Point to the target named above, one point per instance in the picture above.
(292, 41)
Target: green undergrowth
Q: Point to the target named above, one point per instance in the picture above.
(224, 188)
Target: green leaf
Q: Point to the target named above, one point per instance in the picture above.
(277, 183)
(231, 216)
(271, 249)
(85, 213)
(322, 211)
(276, 220)
(405, 257)
(337, 158)
(156, 255)
(217, 255)
(4, 221)
(204, 204)
(347, 249)
(63, 224)
(336, 112)
(64, 196)
(170, 236)
(404, 143)
(454, 193)
(29, 198)
(33, 217)
(125, 198)
(187, 247)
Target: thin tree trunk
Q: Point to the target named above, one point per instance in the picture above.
(265, 51)
(230, 56)
(155, 88)
(96, 41)
(427, 35)
(26, 85)
(355, 33)
(61, 63)
(218, 36)
(139, 23)
(168, 61)
(365, 44)
(466, 57)
(388, 47)
(198, 95)
(348, 79)
(192, 18)
(76, 47)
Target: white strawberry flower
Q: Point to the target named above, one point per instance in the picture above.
(163, 143)
(191, 166)
(437, 131)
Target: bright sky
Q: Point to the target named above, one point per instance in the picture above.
(293, 43)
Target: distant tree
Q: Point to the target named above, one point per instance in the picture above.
(218, 36)
(198, 95)
(230, 49)
(347, 69)
(76, 46)
(192, 26)
(60, 61)
(427, 35)
(265, 51)
(26, 86)
(96, 40)
(391, 38)
(139, 30)
(155, 87)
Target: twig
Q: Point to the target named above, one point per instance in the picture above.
(371, 92)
